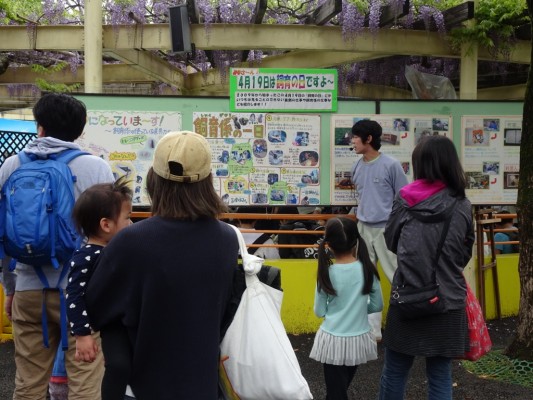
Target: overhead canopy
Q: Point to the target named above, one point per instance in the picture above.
(17, 126)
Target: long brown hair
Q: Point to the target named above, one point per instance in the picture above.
(187, 201)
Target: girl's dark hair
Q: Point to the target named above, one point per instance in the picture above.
(186, 201)
(103, 200)
(342, 237)
(435, 159)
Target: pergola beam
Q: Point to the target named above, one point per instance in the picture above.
(150, 65)
(249, 36)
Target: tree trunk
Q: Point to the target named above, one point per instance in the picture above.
(522, 346)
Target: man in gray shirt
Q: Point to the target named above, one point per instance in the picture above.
(377, 179)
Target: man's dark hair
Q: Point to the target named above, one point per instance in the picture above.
(365, 128)
(62, 116)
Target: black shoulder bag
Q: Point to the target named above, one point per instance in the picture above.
(416, 302)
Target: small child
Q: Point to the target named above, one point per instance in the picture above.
(99, 214)
(347, 291)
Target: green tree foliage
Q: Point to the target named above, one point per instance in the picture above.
(496, 21)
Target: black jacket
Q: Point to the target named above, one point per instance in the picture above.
(415, 243)
(168, 282)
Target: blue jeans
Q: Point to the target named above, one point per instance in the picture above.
(396, 371)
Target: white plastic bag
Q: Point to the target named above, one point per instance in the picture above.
(257, 355)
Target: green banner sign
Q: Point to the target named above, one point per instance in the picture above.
(283, 90)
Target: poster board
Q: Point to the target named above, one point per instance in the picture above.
(403, 108)
(401, 133)
(126, 140)
(263, 158)
(491, 157)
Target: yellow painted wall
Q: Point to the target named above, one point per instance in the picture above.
(298, 279)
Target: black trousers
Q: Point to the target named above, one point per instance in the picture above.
(118, 360)
(338, 379)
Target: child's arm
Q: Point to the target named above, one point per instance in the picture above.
(79, 274)
(321, 303)
(376, 299)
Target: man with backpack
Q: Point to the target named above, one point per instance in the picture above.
(34, 303)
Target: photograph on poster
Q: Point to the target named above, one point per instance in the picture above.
(221, 172)
(477, 180)
(277, 195)
(512, 137)
(260, 148)
(440, 124)
(311, 179)
(476, 137)
(272, 178)
(390, 139)
(308, 158)
(343, 136)
(275, 157)
(510, 180)
(406, 166)
(301, 139)
(420, 133)
(235, 186)
(292, 198)
(259, 198)
(400, 124)
(223, 157)
(276, 136)
(491, 167)
(241, 157)
(343, 180)
(491, 124)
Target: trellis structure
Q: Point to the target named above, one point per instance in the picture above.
(311, 45)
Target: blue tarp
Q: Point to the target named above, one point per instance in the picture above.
(16, 125)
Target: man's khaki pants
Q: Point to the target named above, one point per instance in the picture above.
(34, 362)
(377, 249)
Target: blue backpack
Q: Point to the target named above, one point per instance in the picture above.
(36, 204)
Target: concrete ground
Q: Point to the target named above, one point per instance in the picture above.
(366, 382)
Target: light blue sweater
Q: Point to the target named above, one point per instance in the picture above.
(346, 314)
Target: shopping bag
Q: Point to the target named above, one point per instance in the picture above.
(256, 355)
(480, 343)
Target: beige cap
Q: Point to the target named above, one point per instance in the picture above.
(182, 157)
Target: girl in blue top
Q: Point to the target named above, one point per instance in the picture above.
(347, 291)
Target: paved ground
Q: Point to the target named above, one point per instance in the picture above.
(365, 384)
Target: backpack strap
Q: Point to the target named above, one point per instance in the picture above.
(66, 156)
(260, 240)
(62, 305)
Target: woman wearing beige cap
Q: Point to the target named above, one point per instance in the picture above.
(167, 279)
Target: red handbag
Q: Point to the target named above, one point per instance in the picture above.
(480, 343)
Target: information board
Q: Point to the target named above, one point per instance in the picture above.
(127, 139)
(263, 158)
(491, 157)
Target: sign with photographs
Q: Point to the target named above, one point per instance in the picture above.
(260, 158)
(491, 157)
(401, 133)
(126, 140)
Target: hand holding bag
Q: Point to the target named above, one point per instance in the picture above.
(257, 358)
(416, 302)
